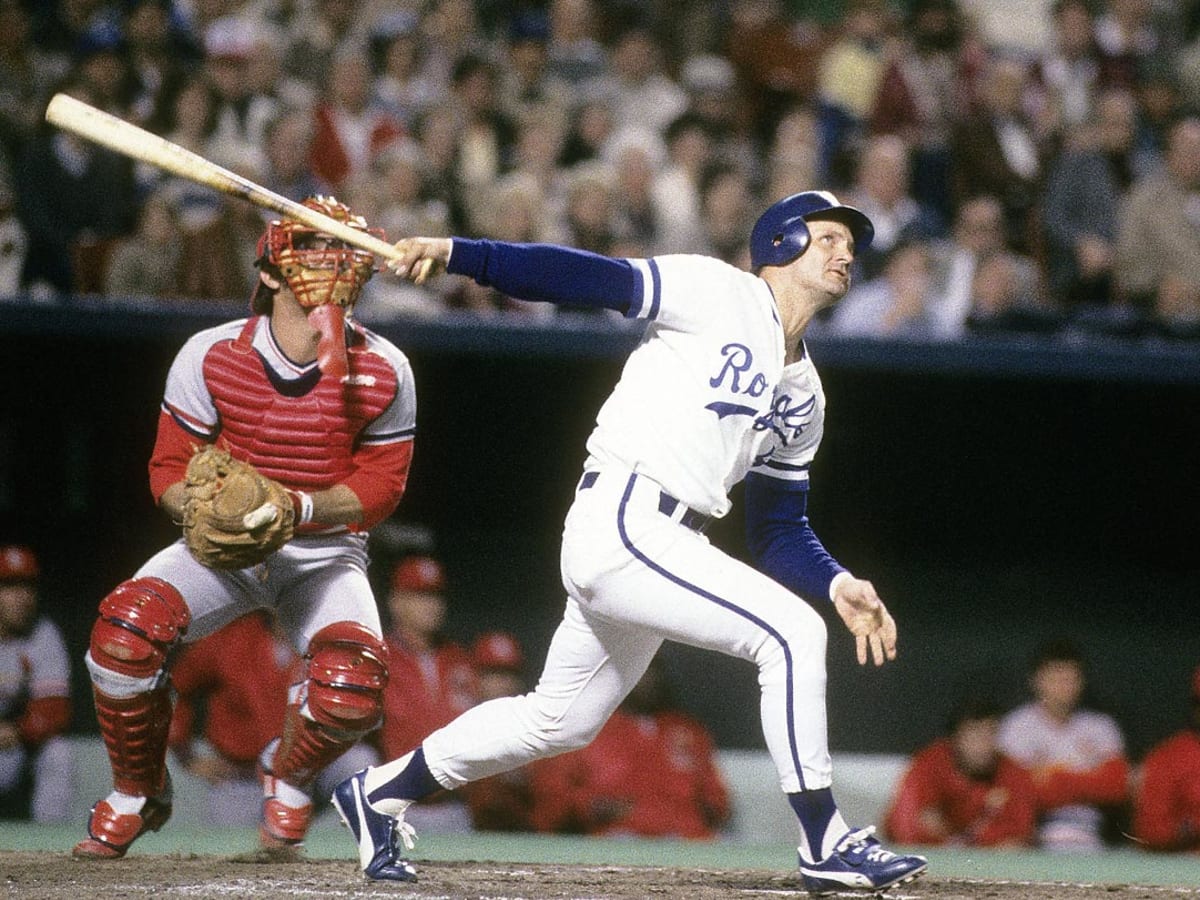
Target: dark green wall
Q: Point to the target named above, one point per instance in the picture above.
(991, 512)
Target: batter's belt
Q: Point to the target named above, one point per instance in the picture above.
(673, 509)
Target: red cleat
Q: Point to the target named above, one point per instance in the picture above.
(283, 827)
(110, 833)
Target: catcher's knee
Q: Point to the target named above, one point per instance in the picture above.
(140, 623)
(346, 672)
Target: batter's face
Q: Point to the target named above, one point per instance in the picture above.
(823, 269)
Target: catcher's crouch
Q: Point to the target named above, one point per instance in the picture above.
(312, 417)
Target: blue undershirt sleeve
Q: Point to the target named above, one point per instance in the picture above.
(781, 542)
(549, 273)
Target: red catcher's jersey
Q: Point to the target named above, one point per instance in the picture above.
(233, 385)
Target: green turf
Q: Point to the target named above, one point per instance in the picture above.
(327, 841)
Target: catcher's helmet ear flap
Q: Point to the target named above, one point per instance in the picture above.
(781, 232)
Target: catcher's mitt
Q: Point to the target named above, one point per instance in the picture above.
(234, 516)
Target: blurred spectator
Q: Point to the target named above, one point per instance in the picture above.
(159, 56)
(36, 762)
(147, 262)
(287, 151)
(729, 211)
(651, 771)
(218, 258)
(1158, 237)
(1076, 755)
(317, 33)
(1085, 186)
(775, 58)
(639, 89)
(74, 199)
(503, 802)
(1167, 801)
(487, 138)
(714, 98)
(1069, 73)
(1127, 37)
(978, 234)
(528, 90)
(636, 156)
(100, 64)
(430, 678)
(689, 153)
(438, 135)
(27, 77)
(1018, 28)
(1161, 104)
(927, 88)
(590, 221)
(895, 304)
(847, 83)
(882, 189)
(539, 147)
(962, 791)
(997, 150)
(351, 128)
(591, 128)
(404, 86)
(399, 201)
(1003, 298)
(576, 54)
(232, 689)
(14, 243)
(794, 155)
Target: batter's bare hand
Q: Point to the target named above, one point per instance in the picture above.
(872, 625)
(419, 258)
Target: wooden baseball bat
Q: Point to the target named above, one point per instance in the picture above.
(124, 137)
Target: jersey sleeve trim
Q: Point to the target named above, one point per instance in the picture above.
(188, 423)
(646, 304)
(794, 476)
(389, 437)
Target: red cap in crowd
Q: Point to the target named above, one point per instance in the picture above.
(418, 573)
(497, 650)
(17, 563)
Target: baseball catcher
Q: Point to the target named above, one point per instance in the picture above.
(282, 438)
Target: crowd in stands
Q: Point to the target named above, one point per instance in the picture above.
(1029, 171)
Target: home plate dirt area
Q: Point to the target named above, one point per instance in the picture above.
(41, 875)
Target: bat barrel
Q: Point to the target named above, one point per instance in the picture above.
(116, 134)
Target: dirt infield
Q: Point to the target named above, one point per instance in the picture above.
(54, 876)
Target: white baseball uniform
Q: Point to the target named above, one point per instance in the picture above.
(704, 399)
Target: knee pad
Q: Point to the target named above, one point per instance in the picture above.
(140, 623)
(346, 672)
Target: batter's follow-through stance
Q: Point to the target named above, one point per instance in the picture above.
(315, 418)
(720, 388)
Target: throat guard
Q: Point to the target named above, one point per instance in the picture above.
(325, 274)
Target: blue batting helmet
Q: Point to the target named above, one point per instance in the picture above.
(781, 234)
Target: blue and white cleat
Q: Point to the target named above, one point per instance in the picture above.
(376, 832)
(860, 863)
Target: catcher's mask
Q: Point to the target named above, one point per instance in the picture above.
(325, 274)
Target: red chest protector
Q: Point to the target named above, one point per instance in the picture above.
(302, 432)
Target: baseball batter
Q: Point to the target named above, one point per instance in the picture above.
(324, 413)
(719, 389)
